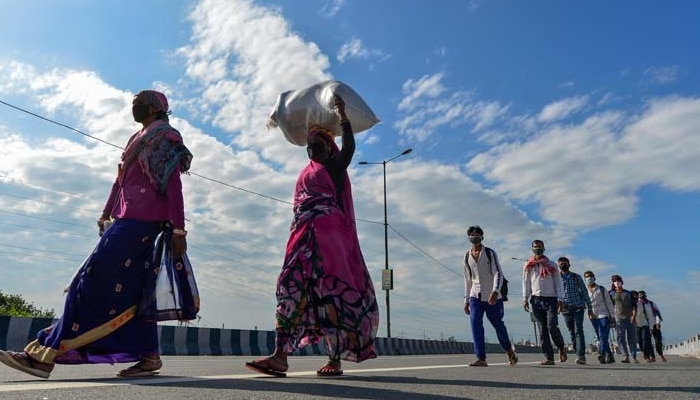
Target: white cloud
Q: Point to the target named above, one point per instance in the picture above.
(662, 75)
(332, 7)
(587, 175)
(355, 49)
(428, 104)
(561, 109)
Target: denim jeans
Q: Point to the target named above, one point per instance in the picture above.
(573, 317)
(545, 311)
(602, 328)
(494, 313)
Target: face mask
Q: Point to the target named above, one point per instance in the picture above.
(538, 252)
(140, 112)
(564, 268)
(476, 239)
(590, 280)
(617, 284)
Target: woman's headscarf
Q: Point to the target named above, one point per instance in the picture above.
(326, 135)
(157, 100)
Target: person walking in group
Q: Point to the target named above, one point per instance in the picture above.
(625, 319)
(656, 331)
(603, 317)
(576, 302)
(483, 280)
(101, 320)
(324, 291)
(646, 318)
(543, 288)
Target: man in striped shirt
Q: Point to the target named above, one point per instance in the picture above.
(576, 301)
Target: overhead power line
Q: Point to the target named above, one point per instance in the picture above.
(49, 120)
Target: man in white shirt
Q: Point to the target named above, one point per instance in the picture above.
(483, 280)
(543, 288)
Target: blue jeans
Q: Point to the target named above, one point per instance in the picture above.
(545, 311)
(573, 317)
(626, 335)
(494, 313)
(602, 329)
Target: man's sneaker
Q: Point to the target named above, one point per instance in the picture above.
(625, 360)
(580, 361)
(601, 358)
(610, 359)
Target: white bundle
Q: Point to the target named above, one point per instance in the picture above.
(297, 110)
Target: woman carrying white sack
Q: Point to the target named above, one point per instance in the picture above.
(324, 291)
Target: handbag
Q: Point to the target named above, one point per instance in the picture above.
(171, 292)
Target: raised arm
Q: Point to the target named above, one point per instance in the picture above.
(348, 138)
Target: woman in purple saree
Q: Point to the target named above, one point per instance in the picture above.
(324, 291)
(109, 307)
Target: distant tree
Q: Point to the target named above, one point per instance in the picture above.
(15, 306)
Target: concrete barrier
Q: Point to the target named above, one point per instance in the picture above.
(16, 332)
(689, 347)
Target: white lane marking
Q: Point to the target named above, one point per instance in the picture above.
(49, 385)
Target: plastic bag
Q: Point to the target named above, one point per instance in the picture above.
(297, 110)
(172, 294)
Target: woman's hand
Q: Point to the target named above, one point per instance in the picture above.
(179, 246)
(339, 107)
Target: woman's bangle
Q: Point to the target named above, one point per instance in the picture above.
(179, 232)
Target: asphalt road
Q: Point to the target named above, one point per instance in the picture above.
(434, 377)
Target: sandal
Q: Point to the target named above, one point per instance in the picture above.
(265, 366)
(331, 368)
(145, 367)
(478, 363)
(22, 362)
(512, 358)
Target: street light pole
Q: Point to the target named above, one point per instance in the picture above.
(386, 234)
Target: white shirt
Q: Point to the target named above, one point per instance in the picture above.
(603, 306)
(485, 277)
(534, 284)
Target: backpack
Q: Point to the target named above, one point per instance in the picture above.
(489, 256)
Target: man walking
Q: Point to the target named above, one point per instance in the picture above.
(543, 288)
(483, 281)
(625, 319)
(576, 301)
(604, 317)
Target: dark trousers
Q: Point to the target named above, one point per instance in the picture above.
(573, 317)
(545, 311)
(658, 340)
(644, 335)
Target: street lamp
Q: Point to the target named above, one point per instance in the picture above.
(386, 239)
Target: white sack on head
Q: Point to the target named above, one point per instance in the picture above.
(297, 110)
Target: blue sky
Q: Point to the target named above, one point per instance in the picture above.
(572, 123)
